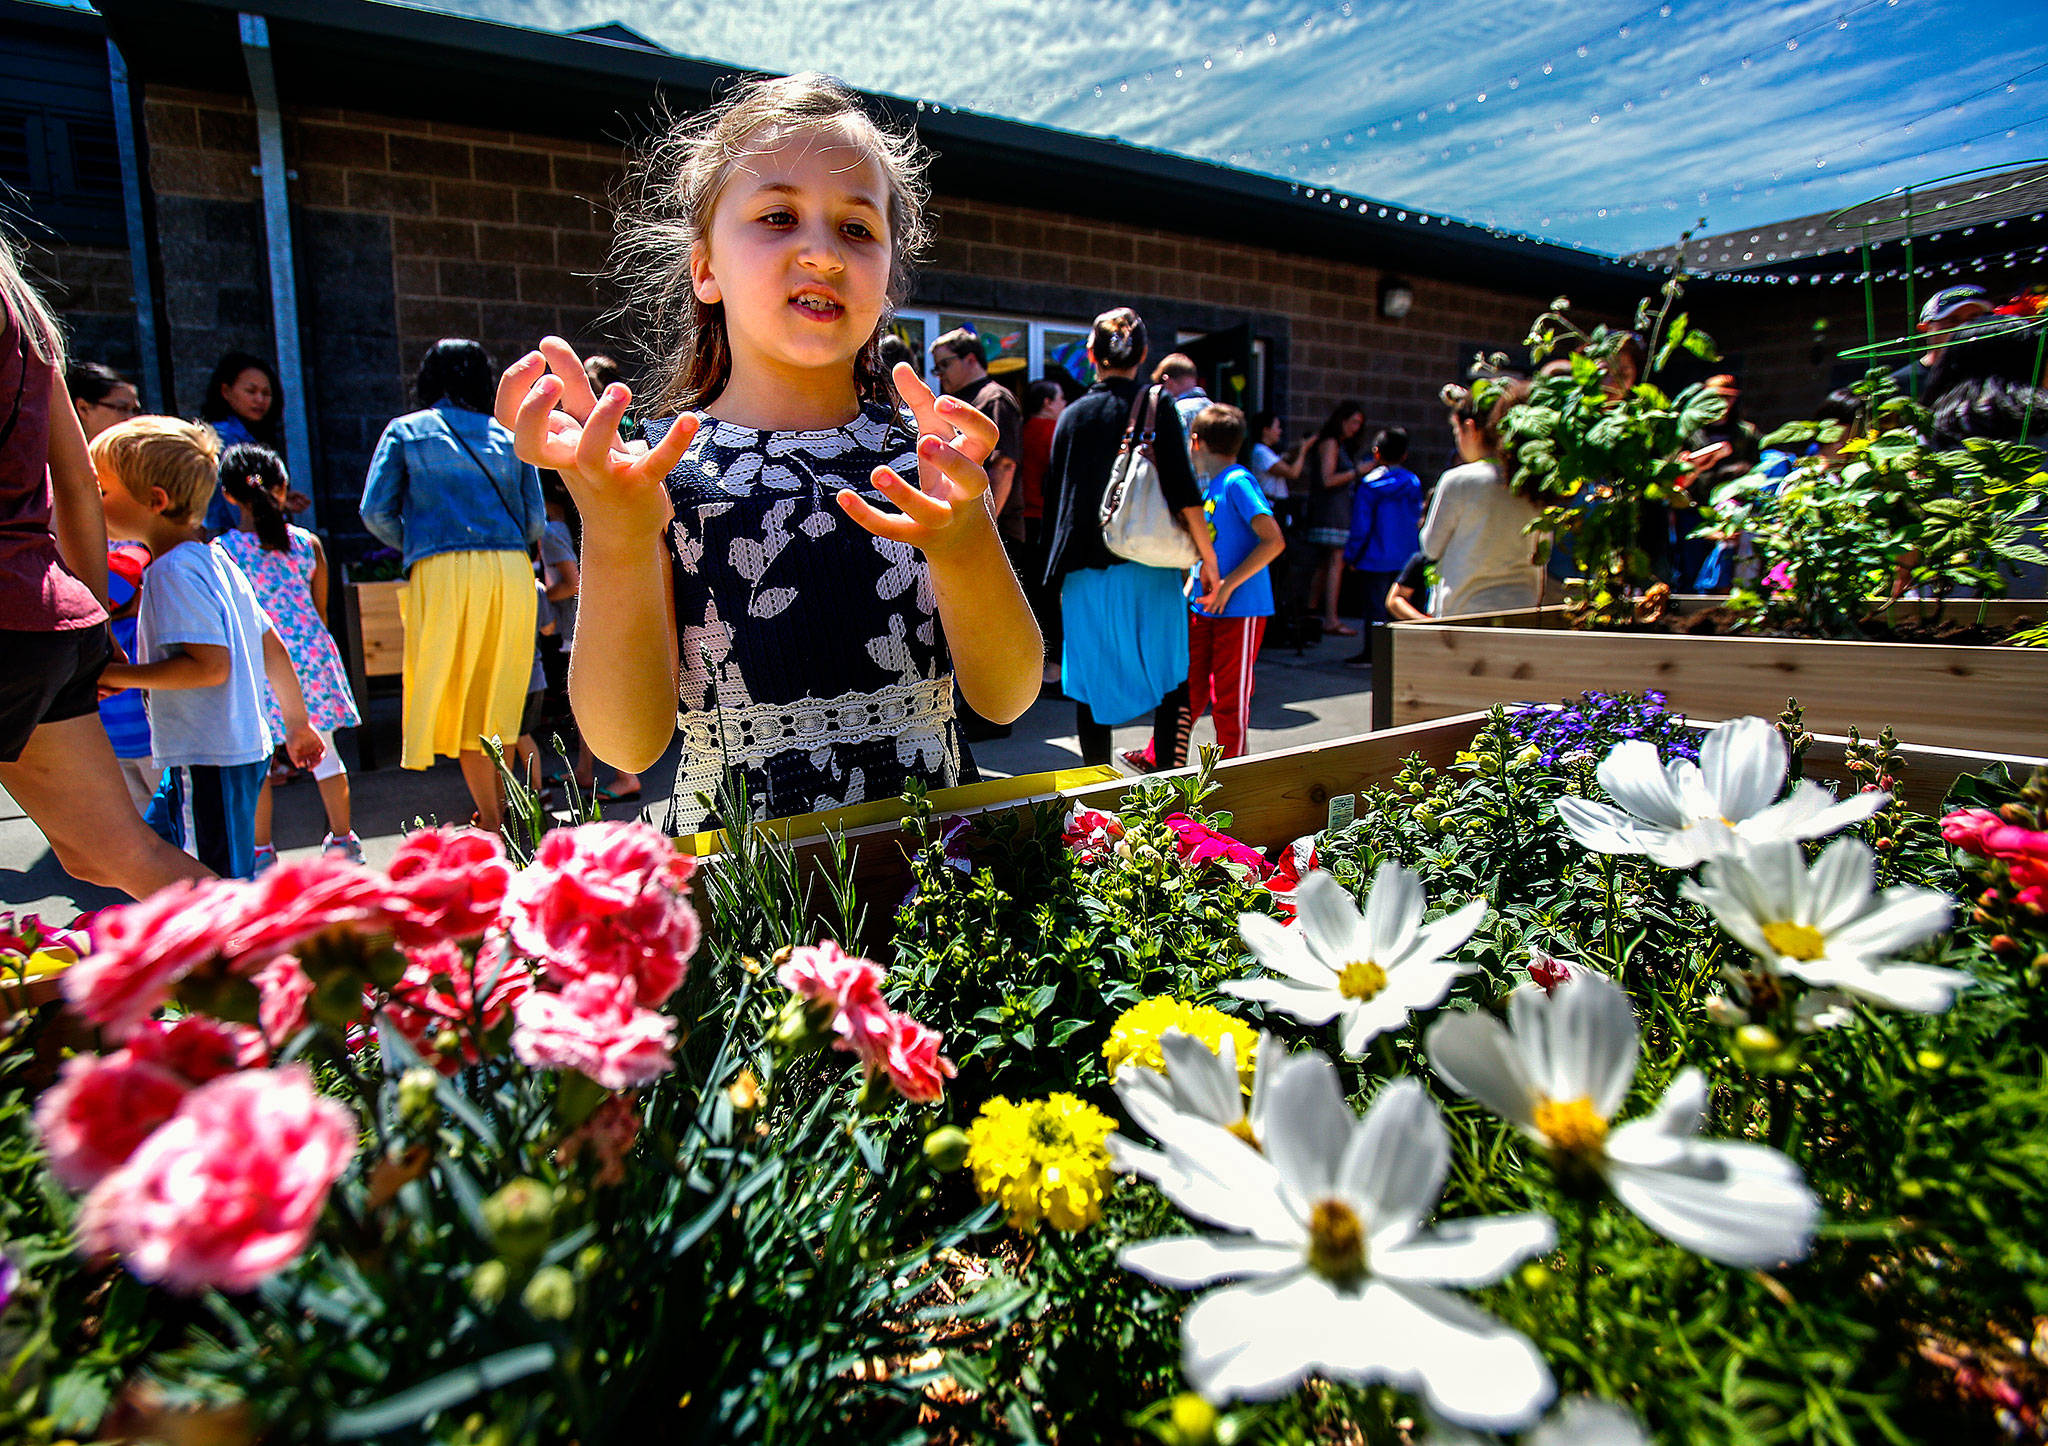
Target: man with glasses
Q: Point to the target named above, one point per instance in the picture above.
(962, 372)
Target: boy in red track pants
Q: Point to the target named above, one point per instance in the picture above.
(1226, 626)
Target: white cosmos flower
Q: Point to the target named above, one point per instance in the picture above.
(1560, 1069)
(1679, 813)
(1828, 926)
(1372, 970)
(1202, 1084)
(1332, 1270)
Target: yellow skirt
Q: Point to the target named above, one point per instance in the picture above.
(469, 620)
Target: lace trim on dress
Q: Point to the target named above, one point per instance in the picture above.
(738, 736)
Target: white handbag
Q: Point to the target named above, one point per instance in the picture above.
(1137, 525)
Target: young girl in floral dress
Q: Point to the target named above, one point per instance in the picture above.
(741, 578)
(288, 569)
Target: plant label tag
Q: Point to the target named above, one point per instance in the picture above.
(1343, 808)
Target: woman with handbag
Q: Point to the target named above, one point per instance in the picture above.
(446, 490)
(1119, 485)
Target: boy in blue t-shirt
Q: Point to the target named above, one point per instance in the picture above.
(204, 647)
(1226, 626)
(1386, 527)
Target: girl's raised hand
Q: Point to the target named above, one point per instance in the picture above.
(557, 422)
(940, 509)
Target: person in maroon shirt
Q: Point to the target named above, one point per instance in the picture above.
(54, 756)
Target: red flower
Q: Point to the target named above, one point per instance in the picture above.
(196, 1048)
(1091, 835)
(100, 1111)
(437, 992)
(284, 989)
(447, 883)
(607, 899)
(1546, 971)
(141, 950)
(1297, 861)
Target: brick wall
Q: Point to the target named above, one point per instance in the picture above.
(90, 288)
(457, 231)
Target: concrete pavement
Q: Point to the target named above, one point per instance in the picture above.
(1299, 699)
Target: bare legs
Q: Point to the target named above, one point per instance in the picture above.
(1329, 584)
(334, 799)
(69, 783)
(481, 774)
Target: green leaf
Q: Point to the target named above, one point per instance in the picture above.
(450, 1388)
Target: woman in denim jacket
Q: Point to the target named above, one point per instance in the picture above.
(446, 491)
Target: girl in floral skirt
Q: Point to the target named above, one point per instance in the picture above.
(744, 577)
(288, 568)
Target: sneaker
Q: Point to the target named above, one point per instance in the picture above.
(348, 846)
(1140, 760)
(266, 857)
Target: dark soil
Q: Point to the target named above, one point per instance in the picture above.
(1957, 628)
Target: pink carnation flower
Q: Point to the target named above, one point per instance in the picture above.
(823, 973)
(141, 950)
(910, 1054)
(607, 899)
(294, 901)
(1199, 844)
(100, 1111)
(595, 1025)
(196, 1048)
(229, 1189)
(447, 883)
(284, 990)
(438, 992)
(1092, 835)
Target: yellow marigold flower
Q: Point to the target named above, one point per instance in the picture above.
(1134, 1038)
(1042, 1159)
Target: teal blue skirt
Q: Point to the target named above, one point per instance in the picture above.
(1126, 644)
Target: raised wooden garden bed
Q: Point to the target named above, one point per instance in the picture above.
(1988, 699)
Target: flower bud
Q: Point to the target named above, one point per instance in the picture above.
(551, 1294)
(1193, 1420)
(487, 1283)
(1933, 1061)
(417, 1106)
(1535, 1276)
(2016, 813)
(2004, 946)
(520, 1217)
(1759, 1050)
(945, 1149)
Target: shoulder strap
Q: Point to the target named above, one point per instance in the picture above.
(518, 526)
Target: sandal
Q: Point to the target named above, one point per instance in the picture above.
(1341, 630)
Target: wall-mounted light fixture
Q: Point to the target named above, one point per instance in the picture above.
(1397, 298)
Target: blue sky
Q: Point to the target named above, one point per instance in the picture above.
(1612, 124)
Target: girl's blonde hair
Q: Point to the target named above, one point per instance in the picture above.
(673, 186)
(20, 300)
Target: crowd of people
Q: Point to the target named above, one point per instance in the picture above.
(828, 577)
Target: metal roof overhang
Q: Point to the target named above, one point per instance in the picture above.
(416, 63)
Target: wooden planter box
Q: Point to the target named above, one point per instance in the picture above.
(1988, 699)
(1278, 797)
(374, 646)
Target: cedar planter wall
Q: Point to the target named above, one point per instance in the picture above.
(1986, 699)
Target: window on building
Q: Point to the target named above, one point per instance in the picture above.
(1017, 349)
(58, 162)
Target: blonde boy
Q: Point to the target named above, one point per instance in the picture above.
(204, 646)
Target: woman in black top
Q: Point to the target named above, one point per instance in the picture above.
(1126, 625)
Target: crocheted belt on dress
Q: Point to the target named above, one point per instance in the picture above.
(732, 736)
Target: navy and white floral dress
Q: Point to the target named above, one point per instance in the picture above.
(810, 649)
